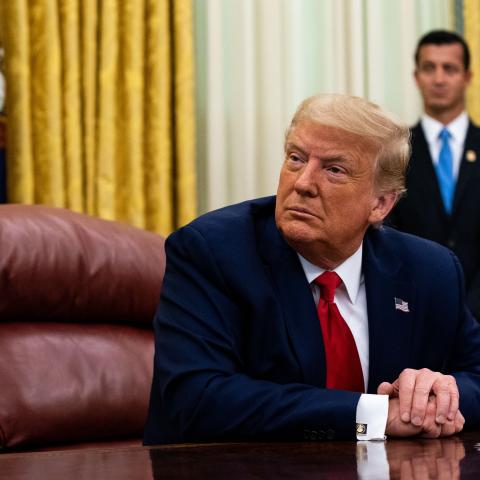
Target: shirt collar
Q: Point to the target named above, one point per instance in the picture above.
(457, 128)
(350, 271)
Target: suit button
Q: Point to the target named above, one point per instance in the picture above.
(330, 434)
(451, 243)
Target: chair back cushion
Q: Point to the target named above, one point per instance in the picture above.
(76, 341)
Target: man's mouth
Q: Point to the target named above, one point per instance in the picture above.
(301, 211)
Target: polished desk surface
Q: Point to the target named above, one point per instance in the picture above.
(456, 457)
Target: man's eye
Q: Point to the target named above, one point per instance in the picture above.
(450, 69)
(294, 158)
(335, 169)
(427, 68)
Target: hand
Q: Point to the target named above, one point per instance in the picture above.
(396, 427)
(425, 459)
(414, 387)
(432, 429)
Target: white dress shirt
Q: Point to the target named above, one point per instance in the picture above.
(351, 300)
(458, 131)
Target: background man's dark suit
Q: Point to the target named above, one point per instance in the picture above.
(421, 211)
(239, 352)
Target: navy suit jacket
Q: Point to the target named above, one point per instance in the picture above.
(421, 211)
(239, 352)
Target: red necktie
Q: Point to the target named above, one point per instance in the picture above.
(344, 371)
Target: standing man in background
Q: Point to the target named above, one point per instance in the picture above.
(443, 181)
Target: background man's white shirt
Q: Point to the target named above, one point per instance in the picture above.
(458, 130)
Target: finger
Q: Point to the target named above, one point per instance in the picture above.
(444, 468)
(406, 386)
(452, 427)
(448, 428)
(423, 386)
(385, 388)
(456, 471)
(454, 398)
(446, 391)
(406, 470)
(442, 390)
(420, 468)
(430, 428)
(459, 422)
(459, 451)
(454, 404)
(432, 450)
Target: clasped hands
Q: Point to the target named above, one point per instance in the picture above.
(422, 403)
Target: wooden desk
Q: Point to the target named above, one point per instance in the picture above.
(457, 457)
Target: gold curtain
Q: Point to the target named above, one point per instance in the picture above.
(471, 19)
(100, 107)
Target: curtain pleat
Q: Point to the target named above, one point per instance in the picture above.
(130, 165)
(88, 88)
(46, 90)
(471, 25)
(71, 105)
(101, 108)
(15, 23)
(158, 119)
(107, 148)
(185, 112)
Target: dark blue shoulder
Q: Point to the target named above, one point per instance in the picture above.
(237, 216)
(388, 247)
(232, 225)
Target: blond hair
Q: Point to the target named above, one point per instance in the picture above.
(366, 119)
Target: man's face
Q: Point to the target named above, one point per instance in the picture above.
(442, 78)
(326, 196)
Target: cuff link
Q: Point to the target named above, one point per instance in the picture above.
(361, 428)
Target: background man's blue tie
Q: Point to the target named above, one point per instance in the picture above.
(444, 170)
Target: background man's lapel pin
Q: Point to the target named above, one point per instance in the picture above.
(401, 305)
(470, 155)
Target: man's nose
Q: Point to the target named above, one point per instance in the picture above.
(307, 181)
(439, 75)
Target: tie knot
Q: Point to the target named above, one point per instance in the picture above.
(444, 135)
(328, 282)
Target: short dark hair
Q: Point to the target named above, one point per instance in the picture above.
(441, 37)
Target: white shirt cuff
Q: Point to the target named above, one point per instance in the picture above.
(372, 414)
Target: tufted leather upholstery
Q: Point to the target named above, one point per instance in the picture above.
(77, 297)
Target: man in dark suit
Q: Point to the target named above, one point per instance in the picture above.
(443, 205)
(299, 317)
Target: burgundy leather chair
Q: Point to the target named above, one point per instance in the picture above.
(77, 297)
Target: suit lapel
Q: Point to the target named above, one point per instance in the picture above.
(296, 302)
(468, 169)
(390, 328)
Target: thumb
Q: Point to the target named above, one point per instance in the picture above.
(385, 388)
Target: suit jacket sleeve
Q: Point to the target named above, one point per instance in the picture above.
(204, 391)
(465, 359)
(473, 295)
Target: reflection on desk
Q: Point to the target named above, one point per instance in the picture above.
(427, 459)
(457, 457)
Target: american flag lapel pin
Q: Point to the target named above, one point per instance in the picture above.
(401, 305)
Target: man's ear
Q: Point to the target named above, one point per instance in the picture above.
(382, 206)
(468, 77)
